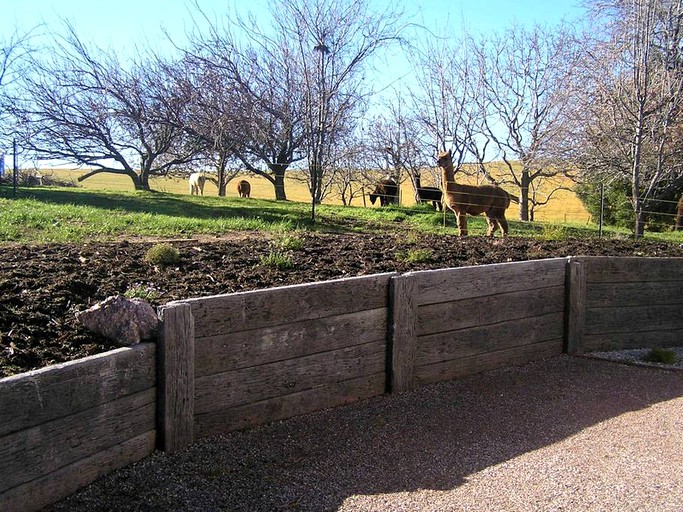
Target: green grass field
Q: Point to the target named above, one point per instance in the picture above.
(57, 214)
(563, 207)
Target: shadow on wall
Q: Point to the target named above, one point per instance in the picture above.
(431, 438)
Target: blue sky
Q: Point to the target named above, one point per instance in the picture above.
(123, 23)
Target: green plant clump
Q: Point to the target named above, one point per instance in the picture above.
(416, 255)
(291, 242)
(277, 259)
(661, 355)
(142, 291)
(162, 254)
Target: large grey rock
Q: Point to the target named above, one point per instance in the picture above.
(125, 321)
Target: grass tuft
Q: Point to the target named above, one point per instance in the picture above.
(415, 255)
(290, 242)
(661, 355)
(277, 259)
(162, 254)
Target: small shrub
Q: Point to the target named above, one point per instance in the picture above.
(277, 259)
(415, 255)
(162, 254)
(291, 242)
(661, 355)
(143, 291)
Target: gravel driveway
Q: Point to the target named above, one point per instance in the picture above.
(570, 434)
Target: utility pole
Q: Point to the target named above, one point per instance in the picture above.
(15, 175)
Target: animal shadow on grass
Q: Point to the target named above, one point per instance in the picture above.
(267, 211)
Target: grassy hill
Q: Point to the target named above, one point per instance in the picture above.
(564, 206)
(54, 214)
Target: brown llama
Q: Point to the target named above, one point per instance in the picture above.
(243, 188)
(679, 214)
(464, 200)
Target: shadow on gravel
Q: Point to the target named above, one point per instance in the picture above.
(430, 438)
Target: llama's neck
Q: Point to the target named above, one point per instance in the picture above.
(448, 176)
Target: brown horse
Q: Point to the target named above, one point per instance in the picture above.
(679, 214)
(244, 188)
(464, 200)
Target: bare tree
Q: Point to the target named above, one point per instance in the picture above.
(248, 100)
(353, 167)
(14, 53)
(347, 182)
(81, 105)
(634, 91)
(523, 79)
(441, 101)
(211, 119)
(399, 142)
(282, 90)
(331, 45)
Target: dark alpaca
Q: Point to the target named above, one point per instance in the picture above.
(387, 192)
(465, 200)
(679, 214)
(426, 194)
(243, 188)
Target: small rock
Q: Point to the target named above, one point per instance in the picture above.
(125, 321)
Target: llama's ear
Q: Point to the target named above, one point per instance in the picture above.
(450, 153)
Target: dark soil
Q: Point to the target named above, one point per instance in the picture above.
(42, 287)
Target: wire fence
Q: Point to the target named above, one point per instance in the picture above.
(563, 207)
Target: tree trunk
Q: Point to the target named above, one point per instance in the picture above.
(144, 181)
(279, 181)
(220, 170)
(639, 230)
(524, 196)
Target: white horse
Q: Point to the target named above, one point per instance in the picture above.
(197, 181)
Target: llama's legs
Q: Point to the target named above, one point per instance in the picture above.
(491, 221)
(461, 220)
(503, 223)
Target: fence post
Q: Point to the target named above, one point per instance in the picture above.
(175, 377)
(575, 307)
(403, 339)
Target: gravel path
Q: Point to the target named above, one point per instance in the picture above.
(570, 434)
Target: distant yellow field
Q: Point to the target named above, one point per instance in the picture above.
(563, 207)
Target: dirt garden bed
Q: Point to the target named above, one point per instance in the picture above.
(43, 286)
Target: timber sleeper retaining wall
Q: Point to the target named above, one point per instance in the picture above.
(232, 361)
